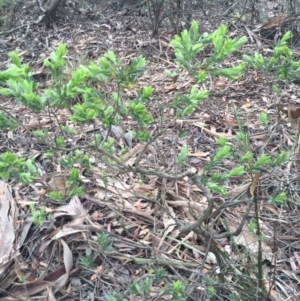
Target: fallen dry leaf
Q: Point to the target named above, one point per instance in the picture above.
(213, 133)
(8, 222)
(57, 182)
(56, 279)
(246, 239)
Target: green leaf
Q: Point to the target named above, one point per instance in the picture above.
(147, 285)
(143, 136)
(194, 30)
(109, 111)
(279, 199)
(178, 290)
(40, 134)
(221, 141)
(38, 216)
(135, 289)
(82, 114)
(56, 196)
(7, 123)
(56, 61)
(25, 177)
(285, 37)
(222, 153)
(197, 95)
(111, 56)
(77, 191)
(187, 111)
(73, 175)
(104, 242)
(87, 261)
(114, 297)
(246, 158)
(160, 275)
(171, 74)
(201, 76)
(240, 42)
(236, 171)
(264, 118)
(231, 73)
(14, 56)
(182, 157)
(252, 227)
(215, 188)
(281, 158)
(263, 161)
(59, 141)
(146, 92)
(31, 167)
(77, 78)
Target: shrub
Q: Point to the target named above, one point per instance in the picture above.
(96, 105)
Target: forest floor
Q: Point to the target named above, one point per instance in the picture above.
(143, 236)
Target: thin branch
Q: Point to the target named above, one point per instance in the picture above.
(207, 213)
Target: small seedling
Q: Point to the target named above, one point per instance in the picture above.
(38, 216)
(104, 242)
(87, 261)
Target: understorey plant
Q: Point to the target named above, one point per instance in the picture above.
(174, 290)
(96, 94)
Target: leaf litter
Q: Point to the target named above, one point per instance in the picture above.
(143, 217)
